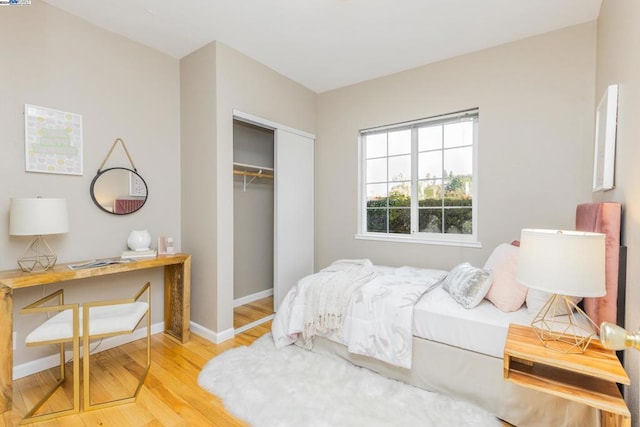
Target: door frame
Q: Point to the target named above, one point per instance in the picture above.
(268, 124)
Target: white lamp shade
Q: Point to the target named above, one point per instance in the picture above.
(562, 262)
(38, 216)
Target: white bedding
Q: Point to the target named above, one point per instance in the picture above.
(379, 318)
(483, 329)
(397, 304)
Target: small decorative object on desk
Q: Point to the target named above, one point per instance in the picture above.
(165, 246)
(149, 253)
(139, 240)
(98, 263)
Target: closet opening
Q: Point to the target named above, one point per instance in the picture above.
(253, 230)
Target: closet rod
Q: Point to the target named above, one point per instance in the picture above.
(255, 174)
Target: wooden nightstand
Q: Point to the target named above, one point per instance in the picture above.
(588, 378)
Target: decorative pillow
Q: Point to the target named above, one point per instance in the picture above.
(467, 284)
(536, 299)
(505, 292)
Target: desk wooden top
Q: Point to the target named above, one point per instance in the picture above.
(16, 279)
(596, 361)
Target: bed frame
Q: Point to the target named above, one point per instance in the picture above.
(478, 378)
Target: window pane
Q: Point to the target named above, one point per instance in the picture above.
(430, 192)
(376, 145)
(457, 191)
(430, 138)
(377, 220)
(400, 221)
(430, 165)
(377, 194)
(458, 221)
(377, 170)
(400, 168)
(458, 161)
(457, 134)
(400, 194)
(400, 142)
(430, 220)
(442, 149)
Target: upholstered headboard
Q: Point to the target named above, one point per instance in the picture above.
(604, 218)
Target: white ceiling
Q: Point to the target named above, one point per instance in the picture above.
(326, 44)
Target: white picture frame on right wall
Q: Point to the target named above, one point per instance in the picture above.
(605, 140)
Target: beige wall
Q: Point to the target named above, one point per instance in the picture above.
(535, 146)
(619, 63)
(238, 82)
(121, 89)
(198, 172)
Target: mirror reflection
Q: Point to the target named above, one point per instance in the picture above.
(118, 191)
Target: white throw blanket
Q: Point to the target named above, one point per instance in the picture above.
(369, 309)
(327, 296)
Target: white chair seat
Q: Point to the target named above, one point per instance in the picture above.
(104, 320)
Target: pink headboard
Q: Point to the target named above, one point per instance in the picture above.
(603, 218)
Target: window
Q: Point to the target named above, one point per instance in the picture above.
(418, 180)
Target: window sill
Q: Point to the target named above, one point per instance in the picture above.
(421, 241)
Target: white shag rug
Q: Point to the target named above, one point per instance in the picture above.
(291, 386)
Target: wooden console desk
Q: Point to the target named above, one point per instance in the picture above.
(177, 296)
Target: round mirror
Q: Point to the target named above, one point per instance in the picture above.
(118, 191)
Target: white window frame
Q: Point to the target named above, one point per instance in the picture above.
(466, 240)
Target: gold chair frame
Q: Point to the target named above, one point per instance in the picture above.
(37, 307)
(86, 337)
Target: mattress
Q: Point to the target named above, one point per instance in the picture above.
(483, 329)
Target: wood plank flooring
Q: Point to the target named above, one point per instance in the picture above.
(171, 395)
(249, 313)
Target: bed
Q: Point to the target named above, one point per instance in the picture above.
(454, 350)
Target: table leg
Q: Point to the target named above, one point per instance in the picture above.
(177, 300)
(6, 348)
(610, 419)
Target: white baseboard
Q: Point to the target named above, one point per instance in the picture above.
(48, 362)
(253, 324)
(208, 334)
(253, 297)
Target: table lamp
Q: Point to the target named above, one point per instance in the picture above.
(615, 337)
(37, 217)
(564, 264)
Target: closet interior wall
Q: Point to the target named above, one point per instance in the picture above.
(253, 210)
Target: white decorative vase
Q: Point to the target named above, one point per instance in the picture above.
(139, 240)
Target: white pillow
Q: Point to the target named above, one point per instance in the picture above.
(505, 292)
(468, 284)
(536, 299)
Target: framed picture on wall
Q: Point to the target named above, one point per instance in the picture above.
(605, 140)
(53, 141)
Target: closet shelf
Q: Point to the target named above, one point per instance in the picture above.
(251, 171)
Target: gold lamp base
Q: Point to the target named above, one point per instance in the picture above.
(562, 332)
(37, 254)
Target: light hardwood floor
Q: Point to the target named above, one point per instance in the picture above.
(256, 310)
(171, 395)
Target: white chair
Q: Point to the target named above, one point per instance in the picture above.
(107, 319)
(102, 319)
(60, 329)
